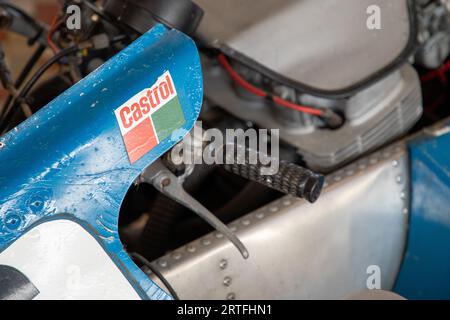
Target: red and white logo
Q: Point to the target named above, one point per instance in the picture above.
(134, 116)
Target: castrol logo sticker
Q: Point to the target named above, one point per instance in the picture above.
(149, 117)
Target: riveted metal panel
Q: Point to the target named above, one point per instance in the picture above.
(303, 251)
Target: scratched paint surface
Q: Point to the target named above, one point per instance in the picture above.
(70, 158)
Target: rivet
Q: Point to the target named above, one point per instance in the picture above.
(273, 209)
(287, 202)
(337, 178)
(162, 263)
(260, 215)
(2, 145)
(219, 235)
(176, 255)
(12, 221)
(349, 172)
(206, 242)
(231, 296)
(399, 179)
(373, 160)
(223, 264)
(227, 281)
(405, 210)
(191, 248)
(233, 228)
(395, 163)
(245, 222)
(402, 195)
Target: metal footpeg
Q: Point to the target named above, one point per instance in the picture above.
(172, 186)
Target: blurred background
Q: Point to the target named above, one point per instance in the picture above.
(16, 48)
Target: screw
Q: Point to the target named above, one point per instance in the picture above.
(165, 182)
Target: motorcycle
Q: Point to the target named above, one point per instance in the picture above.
(223, 150)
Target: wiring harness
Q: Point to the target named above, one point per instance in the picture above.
(332, 119)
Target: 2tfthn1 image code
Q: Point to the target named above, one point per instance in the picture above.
(150, 117)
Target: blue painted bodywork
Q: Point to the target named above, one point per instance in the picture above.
(425, 273)
(69, 158)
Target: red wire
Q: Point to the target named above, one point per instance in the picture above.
(438, 73)
(50, 33)
(261, 93)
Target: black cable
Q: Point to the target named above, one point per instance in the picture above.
(23, 75)
(149, 265)
(12, 110)
(5, 73)
(29, 20)
(30, 64)
(25, 15)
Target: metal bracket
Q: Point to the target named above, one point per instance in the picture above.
(172, 186)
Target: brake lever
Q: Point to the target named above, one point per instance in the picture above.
(172, 186)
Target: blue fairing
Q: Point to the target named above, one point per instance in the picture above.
(69, 158)
(425, 273)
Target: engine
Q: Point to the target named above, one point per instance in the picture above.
(360, 76)
(118, 161)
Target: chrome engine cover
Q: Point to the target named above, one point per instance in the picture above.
(325, 45)
(332, 61)
(300, 251)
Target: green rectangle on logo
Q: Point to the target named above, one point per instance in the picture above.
(168, 119)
